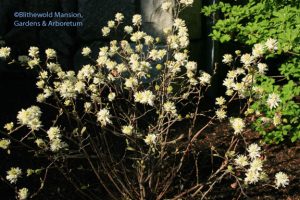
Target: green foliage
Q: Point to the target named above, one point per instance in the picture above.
(255, 22)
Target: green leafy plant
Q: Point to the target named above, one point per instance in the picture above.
(256, 21)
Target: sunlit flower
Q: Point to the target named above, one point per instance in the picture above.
(187, 2)
(256, 164)
(111, 24)
(150, 139)
(86, 51)
(220, 101)
(205, 78)
(127, 130)
(241, 161)
(271, 44)
(221, 114)
(56, 145)
(137, 20)
(238, 125)
(4, 143)
(128, 29)
(170, 107)
(252, 177)
(247, 59)
(119, 17)
(258, 50)
(281, 179)
(262, 68)
(33, 52)
(227, 59)
(254, 151)
(145, 97)
(50, 53)
(105, 31)
(191, 66)
(23, 193)
(4, 52)
(273, 100)
(103, 116)
(53, 132)
(9, 126)
(13, 174)
(111, 96)
(30, 117)
(131, 82)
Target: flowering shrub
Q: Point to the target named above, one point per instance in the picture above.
(276, 23)
(117, 117)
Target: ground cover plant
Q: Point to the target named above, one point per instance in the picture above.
(117, 120)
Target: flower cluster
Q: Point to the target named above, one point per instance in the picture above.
(30, 117)
(13, 174)
(4, 52)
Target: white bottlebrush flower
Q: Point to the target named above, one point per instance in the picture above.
(145, 97)
(111, 24)
(256, 164)
(105, 31)
(53, 132)
(137, 20)
(86, 51)
(187, 2)
(262, 68)
(237, 124)
(258, 50)
(80, 87)
(33, 52)
(273, 100)
(281, 179)
(23, 194)
(50, 53)
(170, 107)
(137, 36)
(9, 126)
(227, 59)
(127, 130)
(67, 89)
(4, 143)
(104, 117)
(191, 66)
(252, 177)
(220, 101)
(13, 174)
(128, 29)
(180, 58)
(246, 59)
(271, 44)
(150, 139)
(33, 62)
(241, 161)
(56, 145)
(166, 5)
(254, 151)
(221, 114)
(30, 117)
(131, 82)
(205, 79)
(119, 17)
(4, 52)
(111, 96)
